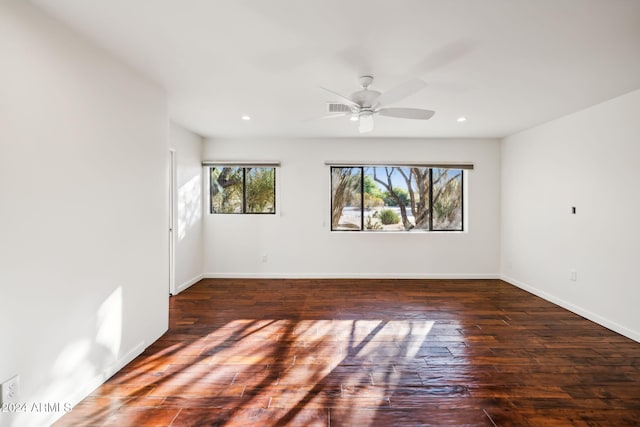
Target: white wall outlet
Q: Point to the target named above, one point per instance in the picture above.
(573, 275)
(264, 258)
(10, 390)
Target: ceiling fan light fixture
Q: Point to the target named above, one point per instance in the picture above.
(354, 118)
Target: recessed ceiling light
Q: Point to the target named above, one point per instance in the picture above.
(246, 117)
(461, 119)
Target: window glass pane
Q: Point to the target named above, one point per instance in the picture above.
(405, 193)
(345, 198)
(260, 190)
(226, 190)
(384, 189)
(447, 199)
(419, 197)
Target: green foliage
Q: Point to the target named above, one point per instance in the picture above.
(259, 191)
(371, 187)
(387, 216)
(370, 224)
(401, 193)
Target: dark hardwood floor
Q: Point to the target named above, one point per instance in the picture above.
(371, 353)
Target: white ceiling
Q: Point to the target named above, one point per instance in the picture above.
(504, 64)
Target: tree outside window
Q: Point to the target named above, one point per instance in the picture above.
(242, 190)
(393, 198)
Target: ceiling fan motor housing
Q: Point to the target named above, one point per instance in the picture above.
(365, 98)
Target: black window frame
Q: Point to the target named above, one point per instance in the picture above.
(244, 190)
(362, 203)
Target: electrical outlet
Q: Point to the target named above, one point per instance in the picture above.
(264, 258)
(10, 390)
(573, 276)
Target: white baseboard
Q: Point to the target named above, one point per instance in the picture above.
(450, 276)
(609, 324)
(95, 382)
(108, 373)
(189, 283)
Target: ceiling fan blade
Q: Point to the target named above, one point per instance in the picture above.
(365, 123)
(401, 92)
(342, 97)
(444, 56)
(407, 113)
(334, 115)
(326, 116)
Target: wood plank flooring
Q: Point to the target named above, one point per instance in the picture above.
(371, 353)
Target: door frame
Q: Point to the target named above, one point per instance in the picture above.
(172, 221)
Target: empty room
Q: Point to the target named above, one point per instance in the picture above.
(319, 213)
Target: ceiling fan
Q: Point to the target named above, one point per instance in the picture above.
(365, 103)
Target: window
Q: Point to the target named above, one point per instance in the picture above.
(396, 198)
(242, 190)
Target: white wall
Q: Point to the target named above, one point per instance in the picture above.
(298, 241)
(83, 207)
(589, 160)
(188, 216)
